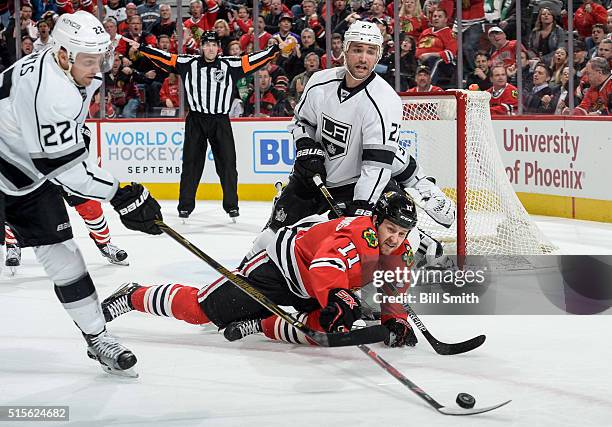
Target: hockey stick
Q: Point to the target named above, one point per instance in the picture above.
(439, 347)
(420, 392)
(372, 334)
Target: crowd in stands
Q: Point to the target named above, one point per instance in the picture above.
(428, 49)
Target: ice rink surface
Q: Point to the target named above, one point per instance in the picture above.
(555, 368)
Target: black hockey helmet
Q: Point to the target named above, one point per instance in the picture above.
(209, 36)
(397, 207)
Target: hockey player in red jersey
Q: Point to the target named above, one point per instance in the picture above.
(313, 267)
(504, 96)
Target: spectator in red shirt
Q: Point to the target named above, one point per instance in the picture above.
(169, 93)
(412, 20)
(423, 81)
(68, 6)
(587, 15)
(437, 48)
(504, 49)
(130, 10)
(504, 96)
(264, 36)
(597, 100)
(337, 57)
(135, 33)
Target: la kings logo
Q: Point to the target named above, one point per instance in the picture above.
(336, 137)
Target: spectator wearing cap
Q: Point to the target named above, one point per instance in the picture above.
(540, 99)
(423, 81)
(437, 48)
(598, 33)
(135, 33)
(166, 24)
(504, 50)
(481, 76)
(587, 15)
(311, 65)
(115, 9)
(408, 64)
(546, 35)
(149, 12)
(504, 96)
(277, 9)
(581, 56)
(44, 39)
(597, 100)
(337, 55)
(284, 28)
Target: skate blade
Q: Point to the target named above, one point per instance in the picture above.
(127, 373)
(12, 271)
(233, 220)
(123, 263)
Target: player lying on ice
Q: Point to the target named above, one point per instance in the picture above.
(314, 266)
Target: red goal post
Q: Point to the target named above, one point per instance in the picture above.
(451, 136)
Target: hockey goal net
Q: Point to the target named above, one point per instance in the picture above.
(451, 136)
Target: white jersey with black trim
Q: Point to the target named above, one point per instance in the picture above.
(41, 114)
(358, 128)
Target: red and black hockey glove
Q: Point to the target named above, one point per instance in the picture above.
(400, 333)
(342, 309)
(309, 161)
(137, 209)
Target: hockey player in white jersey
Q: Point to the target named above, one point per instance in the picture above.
(44, 99)
(346, 129)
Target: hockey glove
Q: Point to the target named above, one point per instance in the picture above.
(400, 333)
(342, 309)
(86, 133)
(309, 161)
(435, 203)
(358, 208)
(137, 208)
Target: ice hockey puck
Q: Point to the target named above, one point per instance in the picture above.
(465, 400)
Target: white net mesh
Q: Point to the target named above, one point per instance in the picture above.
(495, 220)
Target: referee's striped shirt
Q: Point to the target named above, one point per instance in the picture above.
(209, 85)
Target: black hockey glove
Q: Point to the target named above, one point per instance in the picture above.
(86, 133)
(309, 161)
(358, 208)
(400, 333)
(137, 208)
(342, 309)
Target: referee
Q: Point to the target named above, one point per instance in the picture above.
(209, 80)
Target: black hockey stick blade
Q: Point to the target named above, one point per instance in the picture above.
(445, 349)
(472, 411)
(370, 335)
(445, 410)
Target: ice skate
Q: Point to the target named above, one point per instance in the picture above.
(233, 214)
(13, 258)
(114, 358)
(184, 215)
(114, 254)
(119, 303)
(238, 330)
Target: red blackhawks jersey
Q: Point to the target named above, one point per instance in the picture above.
(341, 253)
(596, 99)
(506, 54)
(440, 41)
(504, 101)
